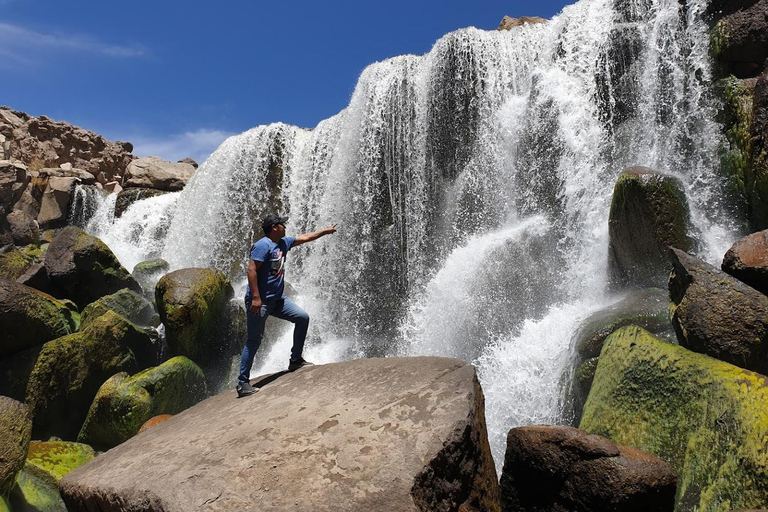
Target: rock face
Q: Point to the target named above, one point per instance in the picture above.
(708, 419)
(194, 305)
(717, 315)
(649, 213)
(508, 23)
(747, 261)
(123, 404)
(29, 317)
(13, 181)
(740, 38)
(371, 434)
(128, 196)
(550, 468)
(48, 143)
(54, 206)
(84, 268)
(69, 371)
(15, 433)
(126, 303)
(156, 173)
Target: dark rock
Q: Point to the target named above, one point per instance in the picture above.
(195, 307)
(747, 261)
(84, 268)
(36, 276)
(28, 204)
(48, 143)
(13, 181)
(29, 317)
(126, 303)
(549, 468)
(15, 371)
(420, 443)
(717, 315)
(123, 404)
(740, 39)
(15, 433)
(128, 196)
(190, 161)
(755, 175)
(70, 370)
(649, 213)
(24, 229)
(154, 172)
(704, 417)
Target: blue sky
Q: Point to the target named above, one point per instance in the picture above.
(175, 78)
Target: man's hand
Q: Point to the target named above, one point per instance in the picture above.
(256, 306)
(331, 230)
(309, 237)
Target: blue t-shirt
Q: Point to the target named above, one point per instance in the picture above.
(270, 275)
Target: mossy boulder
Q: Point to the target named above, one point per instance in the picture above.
(147, 273)
(84, 268)
(14, 262)
(708, 419)
(69, 371)
(123, 404)
(718, 315)
(15, 433)
(126, 303)
(649, 212)
(29, 317)
(195, 307)
(47, 463)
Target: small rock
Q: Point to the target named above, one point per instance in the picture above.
(113, 186)
(189, 161)
(155, 421)
(747, 261)
(66, 166)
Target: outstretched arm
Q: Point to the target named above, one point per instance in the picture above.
(308, 237)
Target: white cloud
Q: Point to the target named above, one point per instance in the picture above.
(25, 46)
(198, 144)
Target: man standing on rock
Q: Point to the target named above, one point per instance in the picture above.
(265, 295)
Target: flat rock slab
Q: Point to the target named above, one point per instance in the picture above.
(394, 434)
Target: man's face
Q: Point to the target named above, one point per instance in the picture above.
(279, 229)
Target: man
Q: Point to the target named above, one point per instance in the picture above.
(265, 295)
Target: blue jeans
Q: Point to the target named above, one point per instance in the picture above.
(284, 309)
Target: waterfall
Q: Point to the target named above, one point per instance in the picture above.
(472, 187)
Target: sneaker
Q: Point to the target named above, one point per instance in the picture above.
(298, 363)
(245, 389)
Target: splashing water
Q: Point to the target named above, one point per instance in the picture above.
(472, 186)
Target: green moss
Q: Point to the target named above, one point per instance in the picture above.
(58, 458)
(4, 505)
(124, 302)
(123, 404)
(151, 267)
(14, 263)
(707, 418)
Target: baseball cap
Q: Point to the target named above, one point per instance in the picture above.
(272, 219)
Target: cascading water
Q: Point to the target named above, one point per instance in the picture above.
(472, 187)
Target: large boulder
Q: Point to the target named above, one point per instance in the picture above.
(128, 196)
(24, 229)
(740, 39)
(123, 404)
(126, 303)
(48, 143)
(747, 261)
(195, 307)
(15, 262)
(84, 268)
(708, 419)
(47, 463)
(15, 433)
(404, 434)
(717, 315)
(13, 181)
(29, 317)
(649, 213)
(15, 371)
(562, 468)
(69, 371)
(156, 173)
(54, 206)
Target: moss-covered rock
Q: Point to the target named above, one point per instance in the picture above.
(84, 268)
(123, 404)
(126, 303)
(149, 272)
(69, 371)
(29, 317)
(15, 371)
(649, 212)
(16, 261)
(708, 419)
(195, 307)
(47, 463)
(15, 433)
(4, 505)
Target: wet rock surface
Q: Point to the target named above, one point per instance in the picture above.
(747, 261)
(718, 315)
(371, 434)
(553, 468)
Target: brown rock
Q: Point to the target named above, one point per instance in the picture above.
(28, 204)
(190, 161)
(24, 229)
(46, 143)
(741, 39)
(747, 261)
(155, 421)
(549, 468)
(85, 177)
(15, 433)
(154, 172)
(388, 434)
(508, 23)
(717, 315)
(13, 182)
(54, 206)
(128, 196)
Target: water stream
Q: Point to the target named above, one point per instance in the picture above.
(472, 187)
